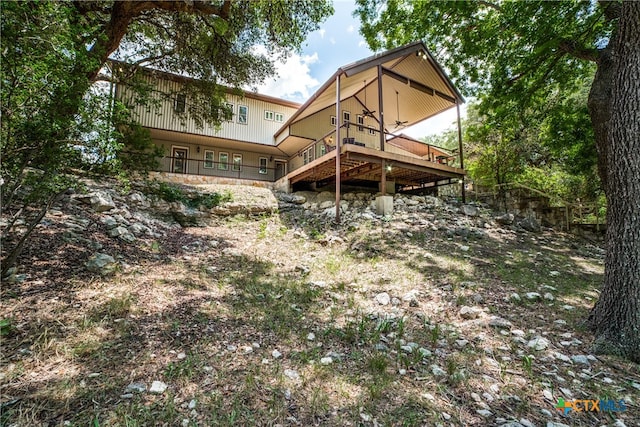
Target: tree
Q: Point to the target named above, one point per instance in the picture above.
(54, 54)
(525, 51)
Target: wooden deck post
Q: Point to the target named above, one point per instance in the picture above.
(464, 196)
(383, 176)
(338, 117)
(380, 108)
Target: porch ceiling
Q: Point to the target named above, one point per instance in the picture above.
(365, 164)
(414, 88)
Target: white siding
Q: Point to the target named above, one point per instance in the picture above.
(256, 130)
(319, 124)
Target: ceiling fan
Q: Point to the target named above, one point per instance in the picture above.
(366, 112)
(398, 121)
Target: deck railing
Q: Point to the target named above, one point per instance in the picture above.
(217, 169)
(326, 143)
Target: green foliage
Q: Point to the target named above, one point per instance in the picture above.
(524, 62)
(58, 105)
(6, 327)
(174, 193)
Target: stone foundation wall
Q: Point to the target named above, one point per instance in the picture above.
(187, 179)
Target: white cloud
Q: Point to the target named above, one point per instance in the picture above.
(293, 81)
(437, 124)
(350, 29)
(322, 32)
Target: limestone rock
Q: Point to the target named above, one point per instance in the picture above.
(383, 298)
(530, 224)
(538, 343)
(506, 219)
(158, 387)
(102, 264)
(470, 210)
(467, 312)
(101, 201)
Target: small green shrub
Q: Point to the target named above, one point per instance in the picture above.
(174, 193)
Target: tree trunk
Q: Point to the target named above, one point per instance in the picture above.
(614, 104)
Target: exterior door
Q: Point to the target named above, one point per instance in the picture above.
(281, 169)
(179, 160)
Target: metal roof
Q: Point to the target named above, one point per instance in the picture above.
(414, 88)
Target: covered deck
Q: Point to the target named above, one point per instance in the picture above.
(359, 113)
(362, 165)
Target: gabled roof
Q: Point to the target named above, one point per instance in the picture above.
(414, 87)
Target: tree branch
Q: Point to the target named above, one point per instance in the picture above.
(123, 13)
(198, 7)
(571, 47)
(490, 5)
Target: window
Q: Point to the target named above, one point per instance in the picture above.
(262, 168)
(223, 161)
(372, 131)
(208, 159)
(333, 120)
(308, 155)
(228, 114)
(243, 112)
(180, 104)
(323, 149)
(360, 120)
(346, 116)
(279, 117)
(268, 115)
(237, 162)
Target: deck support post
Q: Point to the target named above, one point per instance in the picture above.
(383, 177)
(460, 153)
(338, 120)
(380, 108)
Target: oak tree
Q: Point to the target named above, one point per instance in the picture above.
(512, 51)
(55, 120)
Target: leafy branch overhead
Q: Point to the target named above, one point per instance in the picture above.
(57, 113)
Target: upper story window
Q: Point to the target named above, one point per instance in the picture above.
(333, 120)
(180, 103)
(268, 115)
(243, 114)
(228, 113)
(346, 116)
(360, 120)
(279, 117)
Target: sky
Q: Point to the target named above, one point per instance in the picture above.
(337, 43)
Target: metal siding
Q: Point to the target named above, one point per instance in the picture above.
(195, 161)
(319, 124)
(257, 130)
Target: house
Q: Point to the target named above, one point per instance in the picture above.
(348, 132)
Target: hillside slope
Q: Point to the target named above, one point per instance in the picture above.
(268, 313)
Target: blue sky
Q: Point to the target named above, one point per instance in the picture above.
(337, 42)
